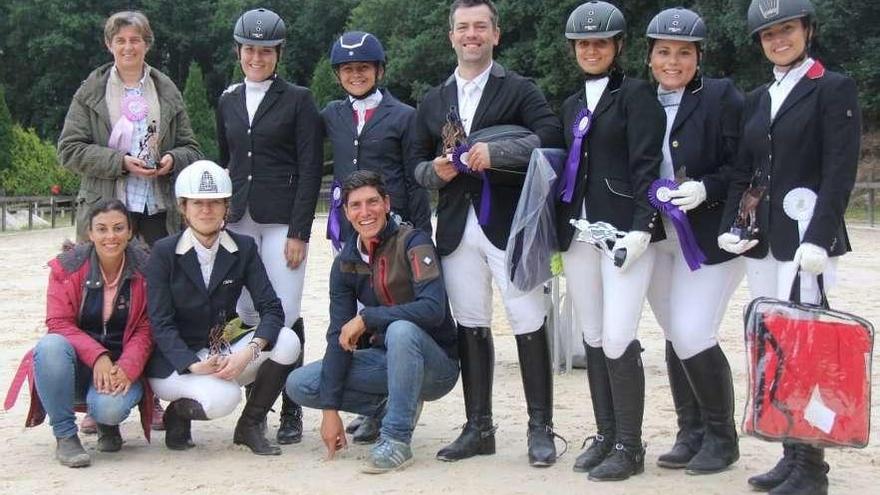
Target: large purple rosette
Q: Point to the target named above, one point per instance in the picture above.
(460, 161)
(658, 195)
(334, 221)
(579, 129)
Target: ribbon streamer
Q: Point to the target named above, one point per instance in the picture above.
(334, 222)
(133, 108)
(658, 195)
(459, 160)
(579, 130)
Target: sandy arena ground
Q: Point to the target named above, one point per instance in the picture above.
(216, 466)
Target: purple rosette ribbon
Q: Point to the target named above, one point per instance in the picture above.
(460, 161)
(579, 130)
(133, 108)
(334, 221)
(658, 195)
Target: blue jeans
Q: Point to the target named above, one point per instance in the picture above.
(411, 368)
(62, 381)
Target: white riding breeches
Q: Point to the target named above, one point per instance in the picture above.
(607, 302)
(468, 274)
(689, 305)
(218, 397)
(271, 239)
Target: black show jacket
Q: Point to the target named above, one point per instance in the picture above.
(620, 159)
(812, 142)
(276, 162)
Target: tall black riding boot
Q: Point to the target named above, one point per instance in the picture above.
(603, 411)
(291, 428)
(537, 377)
(709, 375)
(779, 473)
(248, 431)
(178, 421)
(809, 476)
(628, 392)
(687, 411)
(477, 354)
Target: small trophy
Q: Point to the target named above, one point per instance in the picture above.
(603, 236)
(218, 343)
(745, 226)
(149, 147)
(453, 131)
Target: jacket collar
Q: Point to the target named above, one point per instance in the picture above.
(187, 240)
(72, 259)
(351, 251)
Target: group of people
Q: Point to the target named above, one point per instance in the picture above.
(217, 306)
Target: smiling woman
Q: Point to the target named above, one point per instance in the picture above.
(127, 132)
(269, 135)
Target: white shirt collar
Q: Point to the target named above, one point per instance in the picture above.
(480, 80)
(367, 103)
(114, 73)
(262, 86)
(593, 90)
(188, 241)
(795, 74)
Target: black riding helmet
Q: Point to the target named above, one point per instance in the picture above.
(677, 24)
(260, 27)
(680, 24)
(765, 13)
(595, 19)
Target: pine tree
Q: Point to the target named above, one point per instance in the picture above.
(201, 115)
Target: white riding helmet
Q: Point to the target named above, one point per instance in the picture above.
(203, 179)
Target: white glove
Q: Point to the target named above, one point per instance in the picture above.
(811, 258)
(689, 195)
(733, 244)
(635, 242)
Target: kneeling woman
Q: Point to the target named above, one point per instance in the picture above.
(99, 337)
(195, 279)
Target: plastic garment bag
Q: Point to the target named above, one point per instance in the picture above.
(809, 374)
(532, 238)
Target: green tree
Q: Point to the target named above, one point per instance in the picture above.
(200, 113)
(35, 167)
(5, 133)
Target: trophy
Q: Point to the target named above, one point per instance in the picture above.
(453, 133)
(149, 147)
(218, 342)
(603, 236)
(745, 226)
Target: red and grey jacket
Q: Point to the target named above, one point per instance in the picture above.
(402, 281)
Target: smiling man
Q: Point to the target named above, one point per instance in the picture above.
(394, 272)
(487, 99)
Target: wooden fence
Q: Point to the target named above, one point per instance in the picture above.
(56, 205)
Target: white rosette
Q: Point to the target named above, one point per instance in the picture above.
(799, 204)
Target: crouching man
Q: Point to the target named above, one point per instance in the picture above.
(393, 270)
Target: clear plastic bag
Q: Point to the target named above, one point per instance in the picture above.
(532, 238)
(809, 374)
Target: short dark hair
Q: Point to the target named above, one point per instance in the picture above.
(107, 205)
(362, 178)
(463, 4)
